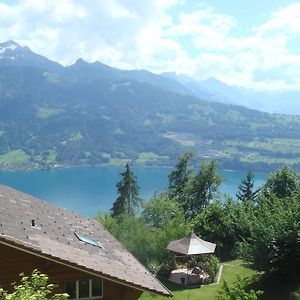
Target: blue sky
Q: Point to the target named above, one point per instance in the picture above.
(254, 44)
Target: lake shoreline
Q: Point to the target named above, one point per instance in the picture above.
(61, 167)
(89, 189)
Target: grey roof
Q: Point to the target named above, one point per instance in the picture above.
(53, 237)
(191, 245)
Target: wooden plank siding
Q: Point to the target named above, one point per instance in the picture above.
(13, 262)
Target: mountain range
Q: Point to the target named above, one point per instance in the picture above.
(91, 113)
(286, 102)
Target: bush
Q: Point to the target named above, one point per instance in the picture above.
(34, 287)
(165, 270)
(275, 242)
(209, 264)
(213, 267)
(296, 295)
(238, 291)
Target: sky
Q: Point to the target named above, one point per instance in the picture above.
(253, 44)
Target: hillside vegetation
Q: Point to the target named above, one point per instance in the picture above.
(94, 114)
(260, 226)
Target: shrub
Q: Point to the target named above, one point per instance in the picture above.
(165, 270)
(238, 291)
(33, 287)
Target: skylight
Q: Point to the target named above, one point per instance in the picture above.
(88, 240)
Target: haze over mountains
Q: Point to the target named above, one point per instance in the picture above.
(90, 113)
(287, 102)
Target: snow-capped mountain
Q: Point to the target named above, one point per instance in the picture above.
(8, 46)
(11, 53)
(213, 90)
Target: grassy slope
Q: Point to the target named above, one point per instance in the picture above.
(80, 116)
(231, 270)
(16, 156)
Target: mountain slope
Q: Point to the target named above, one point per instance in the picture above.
(287, 102)
(12, 54)
(94, 114)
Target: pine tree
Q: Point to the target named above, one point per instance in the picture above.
(246, 189)
(128, 201)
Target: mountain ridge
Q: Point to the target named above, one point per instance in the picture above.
(90, 113)
(211, 89)
(287, 102)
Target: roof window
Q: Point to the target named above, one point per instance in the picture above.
(88, 240)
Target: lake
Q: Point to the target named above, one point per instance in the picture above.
(89, 190)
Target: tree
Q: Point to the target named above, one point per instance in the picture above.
(160, 210)
(128, 201)
(283, 183)
(246, 192)
(165, 216)
(238, 291)
(274, 241)
(218, 223)
(135, 235)
(147, 237)
(202, 188)
(180, 176)
(32, 287)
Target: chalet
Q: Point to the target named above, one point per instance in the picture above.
(79, 255)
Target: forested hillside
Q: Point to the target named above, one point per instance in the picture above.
(94, 114)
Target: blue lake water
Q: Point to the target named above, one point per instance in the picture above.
(89, 190)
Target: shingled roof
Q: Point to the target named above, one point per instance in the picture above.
(53, 237)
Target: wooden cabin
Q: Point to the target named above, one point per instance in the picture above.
(78, 254)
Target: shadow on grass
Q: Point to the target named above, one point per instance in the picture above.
(277, 286)
(248, 265)
(175, 287)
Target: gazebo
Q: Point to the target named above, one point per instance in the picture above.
(189, 246)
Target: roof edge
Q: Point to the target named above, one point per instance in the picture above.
(23, 248)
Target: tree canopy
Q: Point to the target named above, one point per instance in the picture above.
(275, 235)
(283, 183)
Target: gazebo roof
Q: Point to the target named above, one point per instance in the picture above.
(191, 245)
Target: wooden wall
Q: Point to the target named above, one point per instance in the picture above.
(13, 262)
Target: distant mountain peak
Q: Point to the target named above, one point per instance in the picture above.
(82, 65)
(212, 79)
(9, 45)
(11, 53)
(181, 78)
(80, 61)
(213, 82)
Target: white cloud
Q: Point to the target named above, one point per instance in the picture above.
(286, 19)
(144, 34)
(235, 59)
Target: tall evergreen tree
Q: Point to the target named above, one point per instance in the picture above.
(128, 201)
(180, 176)
(246, 190)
